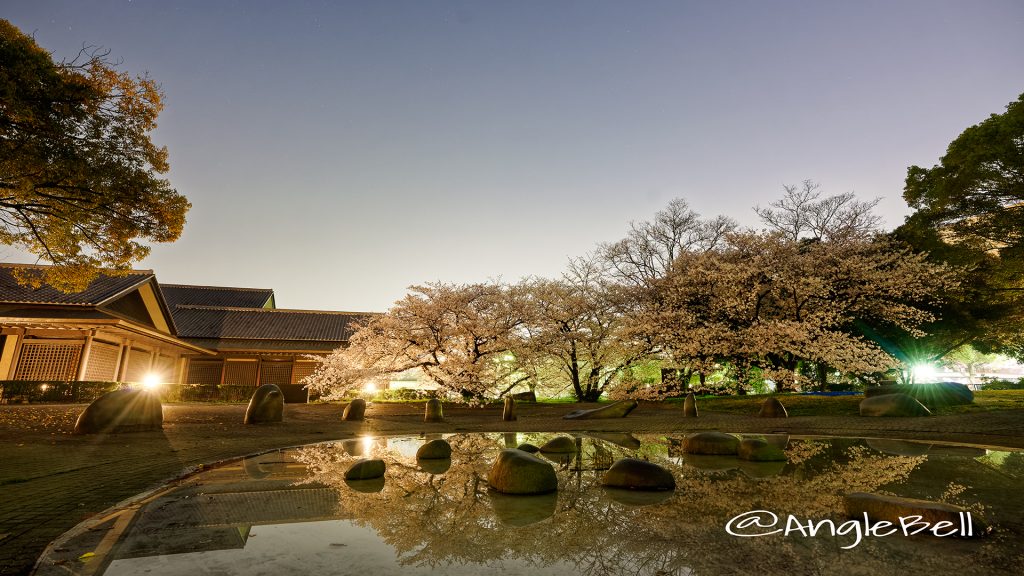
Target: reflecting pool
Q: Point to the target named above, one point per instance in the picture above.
(293, 512)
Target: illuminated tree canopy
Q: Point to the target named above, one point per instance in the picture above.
(79, 174)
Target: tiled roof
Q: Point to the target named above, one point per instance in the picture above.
(99, 290)
(188, 295)
(265, 324)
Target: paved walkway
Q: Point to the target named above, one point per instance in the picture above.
(50, 480)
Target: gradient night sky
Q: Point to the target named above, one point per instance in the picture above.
(338, 152)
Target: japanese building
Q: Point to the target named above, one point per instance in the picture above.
(129, 328)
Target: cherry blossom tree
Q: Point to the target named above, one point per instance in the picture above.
(580, 324)
(459, 336)
(785, 306)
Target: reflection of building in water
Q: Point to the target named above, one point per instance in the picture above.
(218, 513)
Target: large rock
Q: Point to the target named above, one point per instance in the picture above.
(434, 450)
(892, 405)
(711, 443)
(266, 405)
(931, 395)
(355, 410)
(527, 447)
(772, 408)
(508, 411)
(618, 409)
(518, 472)
(365, 469)
(560, 445)
(637, 474)
(759, 450)
(690, 406)
(530, 396)
(433, 411)
(881, 508)
(121, 411)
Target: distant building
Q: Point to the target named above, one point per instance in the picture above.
(129, 328)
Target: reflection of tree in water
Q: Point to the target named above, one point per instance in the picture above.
(435, 520)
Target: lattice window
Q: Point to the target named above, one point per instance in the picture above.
(164, 368)
(205, 372)
(276, 373)
(138, 365)
(240, 372)
(102, 362)
(303, 369)
(48, 361)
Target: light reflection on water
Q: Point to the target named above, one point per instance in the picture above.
(292, 512)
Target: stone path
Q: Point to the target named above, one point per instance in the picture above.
(50, 480)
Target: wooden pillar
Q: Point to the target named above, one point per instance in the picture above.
(9, 356)
(122, 364)
(182, 369)
(83, 358)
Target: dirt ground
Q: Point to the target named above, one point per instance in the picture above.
(50, 479)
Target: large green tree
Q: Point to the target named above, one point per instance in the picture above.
(970, 213)
(80, 182)
(976, 192)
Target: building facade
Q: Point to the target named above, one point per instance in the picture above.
(129, 328)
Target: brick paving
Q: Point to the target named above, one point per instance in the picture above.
(50, 480)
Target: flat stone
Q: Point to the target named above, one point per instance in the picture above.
(123, 410)
(560, 445)
(434, 450)
(759, 450)
(266, 405)
(690, 406)
(772, 408)
(711, 443)
(892, 405)
(365, 469)
(882, 508)
(355, 410)
(618, 409)
(637, 474)
(518, 472)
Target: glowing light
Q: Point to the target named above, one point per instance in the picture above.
(924, 372)
(370, 388)
(151, 381)
(44, 387)
(368, 445)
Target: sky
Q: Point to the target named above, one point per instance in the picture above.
(339, 152)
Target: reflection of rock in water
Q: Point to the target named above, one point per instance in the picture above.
(711, 463)
(761, 469)
(353, 447)
(368, 486)
(435, 465)
(637, 498)
(624, 439)
(516, 510)
(956, 451)
(898, 447)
